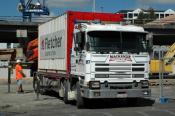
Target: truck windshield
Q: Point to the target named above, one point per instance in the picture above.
(114, 41)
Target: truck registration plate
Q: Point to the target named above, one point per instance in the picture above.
(122, 95)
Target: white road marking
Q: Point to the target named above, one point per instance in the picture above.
(142, 113)
(73, 115)
(170, 112)
(106, 114)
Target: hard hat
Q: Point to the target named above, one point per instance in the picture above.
(18, 61)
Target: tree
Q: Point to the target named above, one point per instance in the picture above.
(151, 14)
(141, 15)
(146, 17)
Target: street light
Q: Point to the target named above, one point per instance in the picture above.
(93, 8)
(101, 8)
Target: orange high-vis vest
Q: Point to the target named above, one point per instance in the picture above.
(18, 68)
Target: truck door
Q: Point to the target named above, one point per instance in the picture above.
(78, 54)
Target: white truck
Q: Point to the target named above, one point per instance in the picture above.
(83, 59)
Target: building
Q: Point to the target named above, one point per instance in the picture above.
(163, 30)
(133, 14)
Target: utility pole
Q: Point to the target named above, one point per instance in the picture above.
(101, 8)
(94, 4)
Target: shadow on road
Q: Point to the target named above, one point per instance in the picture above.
(51, 93)
(109, 103)
(28, 91)
(118, 103)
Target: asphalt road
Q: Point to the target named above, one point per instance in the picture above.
(13, 104)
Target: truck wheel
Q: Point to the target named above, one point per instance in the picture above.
(35, 83)
(38, 85)
(65, 97)
(42, 89)
(80, 100)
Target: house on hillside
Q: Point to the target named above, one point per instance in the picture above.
(133, 14)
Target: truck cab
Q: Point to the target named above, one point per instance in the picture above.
(110, 60)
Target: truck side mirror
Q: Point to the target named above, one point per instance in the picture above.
(149, 46)
(75, 48)
(78, 38)
(87, 46)
(149, 41)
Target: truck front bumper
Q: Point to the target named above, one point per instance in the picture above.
(124, 93)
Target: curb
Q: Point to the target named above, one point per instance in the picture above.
(164, 100)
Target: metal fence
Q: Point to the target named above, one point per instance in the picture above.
(165, 89)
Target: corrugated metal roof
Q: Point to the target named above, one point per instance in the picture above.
(167, 22)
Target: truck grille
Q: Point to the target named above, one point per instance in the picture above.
(113, 67)
(121, 70)
(112, 76)
(138, 69)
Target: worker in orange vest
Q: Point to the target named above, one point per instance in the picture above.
(19, 76)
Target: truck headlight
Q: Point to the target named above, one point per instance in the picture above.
(144, 84)
(94, 84)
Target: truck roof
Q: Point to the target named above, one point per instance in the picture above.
(112, 27)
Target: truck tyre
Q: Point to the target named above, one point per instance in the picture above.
(35, 83)
(38, 84)
(42, 89)
(65, 97)
(80, 100)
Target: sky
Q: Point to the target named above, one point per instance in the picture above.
(57, 7)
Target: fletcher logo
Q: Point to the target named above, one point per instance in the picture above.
(120, 58)
(51, 43)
